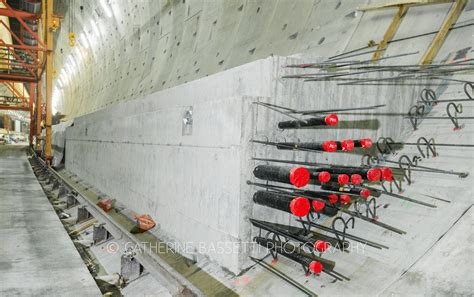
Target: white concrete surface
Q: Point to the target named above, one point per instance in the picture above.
(135, 151)
(151, 45)
(446, 269)
(38, 257)
(194, 185)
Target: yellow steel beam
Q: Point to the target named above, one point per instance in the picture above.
(398, 3)
(42, 31)
(31, 92)
(390, 33)
(440, 37)
(49, 80)
(39, 111)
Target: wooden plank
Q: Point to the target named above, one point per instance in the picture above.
(398, 3)
(440, 37)
(390, 33)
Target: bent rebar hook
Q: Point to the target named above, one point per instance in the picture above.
(454, 118)
(428, 97)
(466, 86)
(345, 223)
(370, 208)
(387, 141)
(406, 167)
(430, 147)
(415, 112)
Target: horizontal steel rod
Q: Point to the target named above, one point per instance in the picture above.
(349, 236)
(283, 145)
(437, 144)
(439, 118)
(400, 197)
(282, 276)
(380, 224)
(402, 39)
(354, 55)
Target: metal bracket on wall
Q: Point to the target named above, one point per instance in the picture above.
(188, 122)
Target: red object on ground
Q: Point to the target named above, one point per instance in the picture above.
(145, 222)
(333, 198)
(356, 179)
(324, 176)
(365, 193)
(316, 267)
(105, 204)
(317, 205)
(345, 199)
(347, 145)
(387, 174)
(299, 177)
(366, 142)
(331, 119)
(300, 206)
(321, 245)
(343, 179)
(330, 146)
(374, 174)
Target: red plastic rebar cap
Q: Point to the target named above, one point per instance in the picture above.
(316, 267)
(343, 179)
(330, 146)
(347, 145)
(331, 119)
(356, 179)
(365, 193)
(324, 176)
(374, 174)
(386, 174)
(318, 205)
(333, 198)
(299, 177)
(366, 142)
(345, 199)
(300, 206)
(321, 245)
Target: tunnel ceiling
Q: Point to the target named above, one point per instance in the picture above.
(127, 49)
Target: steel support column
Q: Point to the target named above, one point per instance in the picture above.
(49, 80)
(32, 98)
(38, 113)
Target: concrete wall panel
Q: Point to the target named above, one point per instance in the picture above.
(136, 152)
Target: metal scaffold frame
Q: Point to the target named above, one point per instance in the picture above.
(22, 67)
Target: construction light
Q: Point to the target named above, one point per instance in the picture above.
(106, 8)
(95, 28)
(83, 40)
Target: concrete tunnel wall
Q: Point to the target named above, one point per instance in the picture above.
(116, 150)
(195, 185)
(148, 46)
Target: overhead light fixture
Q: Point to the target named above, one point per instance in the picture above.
(83, 40)
(106, 8)
(73, 61)
(79, 54)
(95, 27)
(69, 71)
